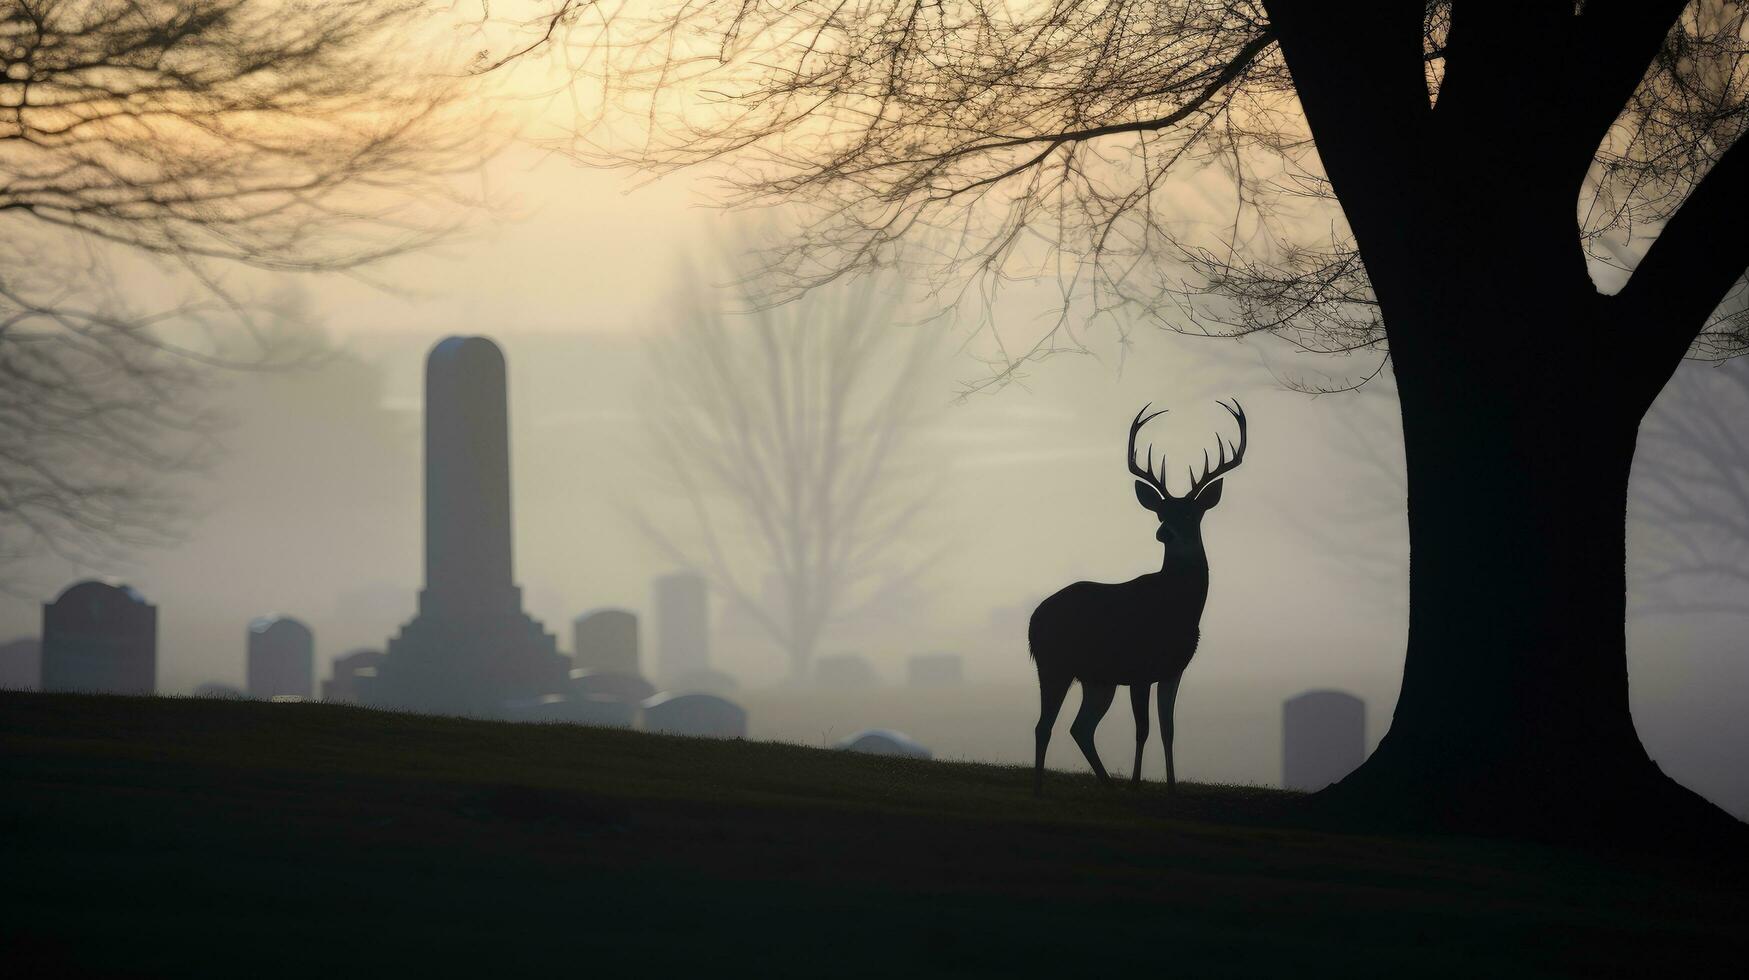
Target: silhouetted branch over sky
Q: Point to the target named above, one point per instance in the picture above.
(196, 137)
(1151, 156)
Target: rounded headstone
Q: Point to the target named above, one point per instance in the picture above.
(281, 658)
(99, 637)
(885, 741)
(695, 714)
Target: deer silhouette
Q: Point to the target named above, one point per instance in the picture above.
(1136, 633)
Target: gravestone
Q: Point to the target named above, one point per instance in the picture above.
(884, 741)
(844, 672)
(629, 688)
(607, 699)
(349, 669)
(682, 625)
(695, 714)
(606, 640)
(1323, 738)
(99, 637)
(21, 664)
(281, 658)
(935, 670)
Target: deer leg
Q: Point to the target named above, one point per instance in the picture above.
(1139, 705)
(1095, 702)
(1051, 691)
(1168, 698)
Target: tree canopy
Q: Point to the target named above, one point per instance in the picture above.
(1153, 156)
(199, 135)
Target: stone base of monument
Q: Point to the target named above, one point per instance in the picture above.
(596, 710)
(467, 665)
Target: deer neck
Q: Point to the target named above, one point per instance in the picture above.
(1186, 563)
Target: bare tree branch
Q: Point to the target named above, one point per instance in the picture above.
(200, 135)
(1077, 141)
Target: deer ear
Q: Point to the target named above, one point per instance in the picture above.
(1148, 497)
(1210, 495)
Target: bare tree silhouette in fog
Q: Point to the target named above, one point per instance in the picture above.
(1362, 534)
(1689, 506)
(197, 137)
(1433, 178)
(1691, 496)
(788, 430)
(1137, 633)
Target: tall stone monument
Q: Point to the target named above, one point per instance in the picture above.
(281, 658)
(682, 625)
(470, 649)
(99, 637)
(1323, 738)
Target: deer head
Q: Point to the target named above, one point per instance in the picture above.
(1181, 517)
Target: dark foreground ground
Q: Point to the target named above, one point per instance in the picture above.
(178, 837)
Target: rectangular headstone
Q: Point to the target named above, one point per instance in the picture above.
(1323, 739)
(606, 640)
(682, 625)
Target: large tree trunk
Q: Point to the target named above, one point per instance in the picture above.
(1514, 713)
(1522, 389)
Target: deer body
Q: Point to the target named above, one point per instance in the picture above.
(1132, 634)
(1143, 631)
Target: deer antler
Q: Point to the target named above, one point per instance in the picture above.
(1147, 475)
(1223, 465)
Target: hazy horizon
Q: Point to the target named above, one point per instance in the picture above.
(316, 514)
(574, 271)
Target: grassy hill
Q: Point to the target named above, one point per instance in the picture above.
(165, 836)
